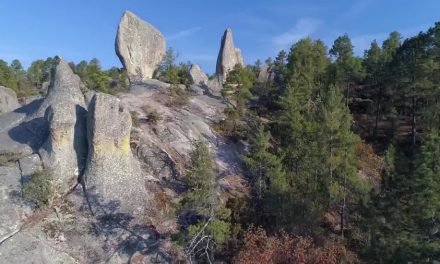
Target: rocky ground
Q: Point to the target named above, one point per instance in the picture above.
(126, 155)
(32, 140)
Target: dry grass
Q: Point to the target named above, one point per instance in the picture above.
(7, 158)
(370, 164)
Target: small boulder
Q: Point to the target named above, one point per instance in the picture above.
(112, 172)
(8, 100)
(228, 57)
(215, 86)
(197, 75)
(139, 46)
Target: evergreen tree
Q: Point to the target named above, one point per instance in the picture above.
(343, 185)
(403, 220)
(307, 63)
(347, 68)
(236, 92)
(278, 71)
(263, 168)
(7, 76)
(210, 229)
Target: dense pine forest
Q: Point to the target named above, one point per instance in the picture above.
(342, 152)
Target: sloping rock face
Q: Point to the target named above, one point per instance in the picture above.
(165, 146)
(197, 75)
(228, 57)
(113, 175)
(65, 150)
(139, 46)
(8, 100)
(11, 213)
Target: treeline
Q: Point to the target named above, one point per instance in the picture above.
(305, 115)
(31, 81)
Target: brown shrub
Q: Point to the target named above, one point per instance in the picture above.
(370, 164)
(260, 248)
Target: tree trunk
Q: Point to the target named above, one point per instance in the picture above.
(413, 122)
(379, 95)
(343, 205)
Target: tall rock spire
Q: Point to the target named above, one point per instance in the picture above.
(228, 57)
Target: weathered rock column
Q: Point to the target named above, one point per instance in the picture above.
(228, 56)
(65, 150)
(113, 175)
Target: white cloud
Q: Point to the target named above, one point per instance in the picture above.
(183, 33)
(302, 29)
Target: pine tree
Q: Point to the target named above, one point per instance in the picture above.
(236, 92)
(307, 63)
(263, 169)
(403, 220)
(210, 230)
(343, 185)
(202, 194)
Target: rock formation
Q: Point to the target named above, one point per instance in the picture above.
(197, 75)
(239, 56)
(139, 46)
(8, 100)
(65, 150)
(228, 57)
(112, 172)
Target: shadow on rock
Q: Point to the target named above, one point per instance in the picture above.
(30, 108)
(121, 232)
(32, 133)
(80, 144)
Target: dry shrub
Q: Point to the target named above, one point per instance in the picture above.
(370, 164)
(7, 158)
(285, 248)
(134, 118)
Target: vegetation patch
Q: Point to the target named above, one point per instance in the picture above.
(6, 158)
(41, 188)
(135, 118)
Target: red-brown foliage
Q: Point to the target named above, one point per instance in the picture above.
(285, 248)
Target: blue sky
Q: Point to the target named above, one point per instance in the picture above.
(84, 29)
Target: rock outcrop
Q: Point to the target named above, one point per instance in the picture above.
(139, 46)
(8, 100)
(228, 57)
(112, 173)
(197, 75)
(239, 56)
(65, 150)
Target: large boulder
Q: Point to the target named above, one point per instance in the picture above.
(8, 100)
(139, 46)
(228, 57)
(65, 150)
(112, 173)
(197, 75)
